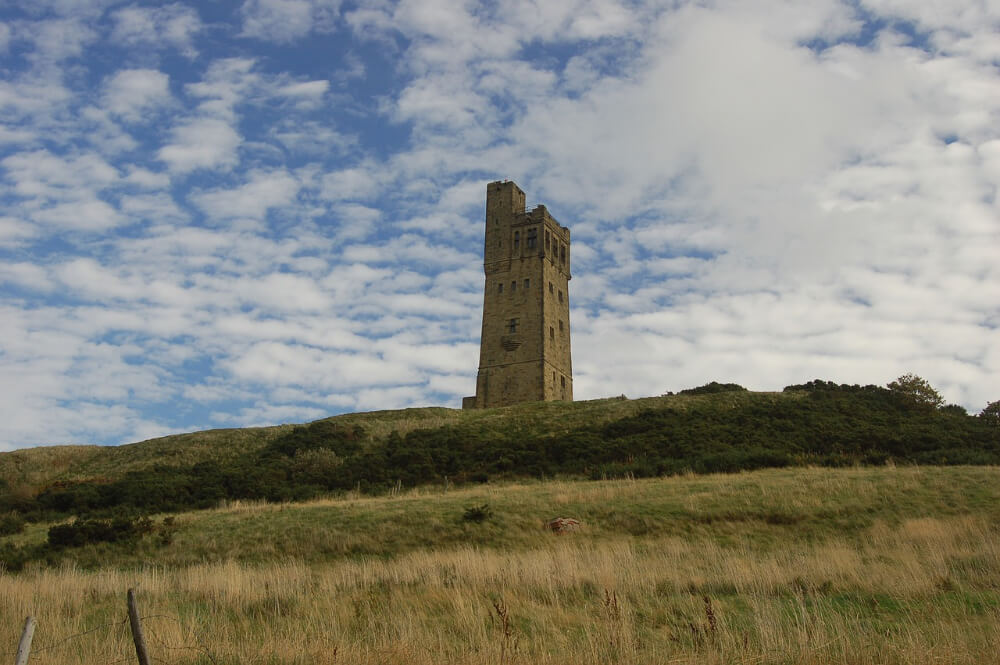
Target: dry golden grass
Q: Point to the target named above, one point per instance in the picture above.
(27, 469)
(919, 589)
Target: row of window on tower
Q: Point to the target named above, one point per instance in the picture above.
(513, 324)
(526, 286)
(531, 242)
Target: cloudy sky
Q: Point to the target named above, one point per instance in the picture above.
(234, 213)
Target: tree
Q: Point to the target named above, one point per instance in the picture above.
(991, 413)
(914, 389)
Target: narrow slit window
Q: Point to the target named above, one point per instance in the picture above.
(500, 287)
(560, 325)
(527, 284)
(513, 287)
(550, 287)
(512, 326)
(560, 296)
(548, 241)
(552, 333)
(517, 239)
(562, 253)
(562, 380)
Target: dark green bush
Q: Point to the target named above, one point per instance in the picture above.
(831, 425)
(11, 523)
(87, 531)
(712, 388)
(478, 513)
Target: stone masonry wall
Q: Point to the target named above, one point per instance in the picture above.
(525, 345)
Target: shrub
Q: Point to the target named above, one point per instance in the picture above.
(12, 558)
(11, 523)
(991, 414)
(916, 390)
(478, 513)
(714, 387)
(83, 532)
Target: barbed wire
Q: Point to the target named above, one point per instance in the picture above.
(200, 647)
(71, 637)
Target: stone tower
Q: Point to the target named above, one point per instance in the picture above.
(524, 352)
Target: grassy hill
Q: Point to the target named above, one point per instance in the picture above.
(40, 466)
(714, 428)
(416, 536)
(877, 565)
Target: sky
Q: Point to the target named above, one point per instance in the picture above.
(241, 213)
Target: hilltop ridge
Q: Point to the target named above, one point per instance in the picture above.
(715, 428)
(81, 462)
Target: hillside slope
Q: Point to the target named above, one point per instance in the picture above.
(715, 428)
(883, 565)
(41, 466)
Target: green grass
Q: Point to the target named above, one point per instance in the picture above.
(779, 508)
(865, 566)
(36, 467)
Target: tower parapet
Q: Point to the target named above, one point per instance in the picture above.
(524, 352)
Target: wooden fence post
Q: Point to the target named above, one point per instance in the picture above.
(24, 646)
(133, 619)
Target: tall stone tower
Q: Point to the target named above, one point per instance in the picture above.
(524, 352)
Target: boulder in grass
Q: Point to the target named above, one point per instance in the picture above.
(562, 525)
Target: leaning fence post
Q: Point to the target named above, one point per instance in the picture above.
(133, 619)
(24, 646)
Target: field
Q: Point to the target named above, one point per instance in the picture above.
(858, 565)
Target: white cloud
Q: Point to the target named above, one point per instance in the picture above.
(286, 20)
(405, 249)
(201, 143)
(77, 387)
(147, 179)
(56, 40)
(399, 397)
(298, 365)
(227, 83)
(254, 199)
(158, 208)
(753, 197)
(13, 231)
(304, 89)
(41, 173)
(103, 133)
(304, 95)
(63, 192)
(173, 25)
(311, 138)
(358, 183)
(80, 215)
(283, 293)
(27, 275)
(133, 93)
(266, 415)
(32, 96)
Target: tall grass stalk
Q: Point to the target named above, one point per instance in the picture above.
(918, 587)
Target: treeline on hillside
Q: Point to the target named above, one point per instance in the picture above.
(830, 424)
